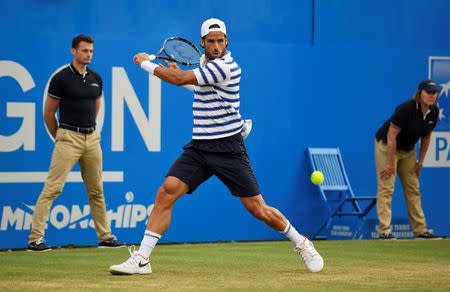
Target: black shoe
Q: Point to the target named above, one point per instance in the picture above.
(38, 245)
(112, 242)
(429, 235)
(387, 236)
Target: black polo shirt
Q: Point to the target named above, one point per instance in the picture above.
(78, 94)
(409, 118)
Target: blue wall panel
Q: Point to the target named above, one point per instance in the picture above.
(366, 59)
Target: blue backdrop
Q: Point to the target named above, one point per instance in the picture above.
(315, 73)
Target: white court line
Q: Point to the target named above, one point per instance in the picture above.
(41, 176)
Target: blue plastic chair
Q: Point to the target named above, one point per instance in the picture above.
(336, 190)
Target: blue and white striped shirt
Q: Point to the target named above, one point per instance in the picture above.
(216, 101)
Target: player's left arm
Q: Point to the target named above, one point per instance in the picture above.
(171, 74)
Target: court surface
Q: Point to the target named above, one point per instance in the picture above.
(402, 265)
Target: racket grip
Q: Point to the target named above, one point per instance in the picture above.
(151, 58)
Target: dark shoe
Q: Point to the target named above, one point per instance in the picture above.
(38, 245)
(429, 235)
(387, 236)
(112, 242)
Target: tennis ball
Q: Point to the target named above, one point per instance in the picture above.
(317, 177)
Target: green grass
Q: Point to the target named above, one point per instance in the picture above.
(251, 266)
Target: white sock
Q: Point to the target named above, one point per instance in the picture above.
(148, 243)
(293, 234)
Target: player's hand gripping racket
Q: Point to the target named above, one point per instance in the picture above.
(178, 50)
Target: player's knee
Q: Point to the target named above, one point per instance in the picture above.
(167, 194)
(170, 188)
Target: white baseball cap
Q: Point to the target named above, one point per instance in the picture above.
(207, 23)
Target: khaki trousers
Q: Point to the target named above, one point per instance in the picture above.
(71, 147)
(404, 164)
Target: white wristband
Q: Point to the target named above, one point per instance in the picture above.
(148, 66)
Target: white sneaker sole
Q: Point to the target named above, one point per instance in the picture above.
(33, 250)
(419, 238)
(122, 272)
(120, 246)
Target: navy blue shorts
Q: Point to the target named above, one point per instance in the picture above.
(226, 158)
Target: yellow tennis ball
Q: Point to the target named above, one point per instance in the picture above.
(317, 177)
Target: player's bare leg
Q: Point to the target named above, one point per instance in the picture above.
(158, 223)
(258, 208)
(170, 191)
(272, 217)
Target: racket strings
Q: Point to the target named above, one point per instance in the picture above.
(182, 51)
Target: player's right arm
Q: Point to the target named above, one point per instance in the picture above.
(50, 108)
(171, 74)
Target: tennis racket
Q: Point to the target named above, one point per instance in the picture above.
(178, 50)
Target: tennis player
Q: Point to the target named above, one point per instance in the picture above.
(216, 148)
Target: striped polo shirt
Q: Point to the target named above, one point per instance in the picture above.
(216, 101)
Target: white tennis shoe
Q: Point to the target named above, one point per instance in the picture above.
(313, 260)
(135, 265)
